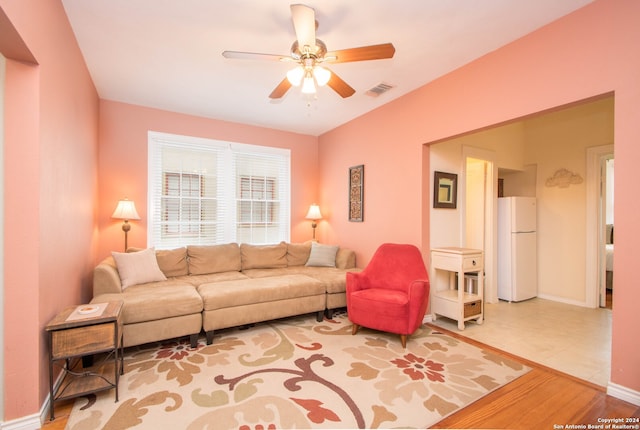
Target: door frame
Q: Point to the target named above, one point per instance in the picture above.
(3, 77)
(595, 223)
(490, 220)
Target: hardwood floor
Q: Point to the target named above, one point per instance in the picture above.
(62, 411)
(540, 399)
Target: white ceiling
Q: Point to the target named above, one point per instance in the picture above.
(166, 54)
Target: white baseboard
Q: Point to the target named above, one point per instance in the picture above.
(563, 300)
(31, 422)
(623, 393)
(427, 318)
(45, 411)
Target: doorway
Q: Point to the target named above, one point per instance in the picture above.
(599, 215)
(606, 299)
(479, 229)
(551, 142)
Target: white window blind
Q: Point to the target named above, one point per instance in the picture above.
(204, 191)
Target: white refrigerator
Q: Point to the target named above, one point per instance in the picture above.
(517, 254)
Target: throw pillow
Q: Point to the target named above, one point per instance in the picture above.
(138, 267)
(322, 255)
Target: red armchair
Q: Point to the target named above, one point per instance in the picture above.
(392, 293)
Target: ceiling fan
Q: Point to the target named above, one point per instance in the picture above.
(310, 54)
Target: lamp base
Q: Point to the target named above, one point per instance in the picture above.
(126, 227)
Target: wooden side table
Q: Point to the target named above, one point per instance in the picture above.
(80, 331)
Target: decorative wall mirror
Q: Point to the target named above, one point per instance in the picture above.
(445, 190)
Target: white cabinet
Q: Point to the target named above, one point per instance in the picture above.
(448, 297)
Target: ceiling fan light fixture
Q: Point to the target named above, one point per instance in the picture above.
(294, 76)
(322, 75)
(308, 52)
(308, 86)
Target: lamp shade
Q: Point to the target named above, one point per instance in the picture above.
(322, 75)
(126, 209)
(314, 212)
(308, 87)
(295, 75)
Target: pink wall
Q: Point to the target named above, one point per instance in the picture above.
(51, 129)
(123, 164)
(590, 52)
(21, 339)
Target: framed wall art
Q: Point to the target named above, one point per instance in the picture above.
(445, 190)
(356, 193)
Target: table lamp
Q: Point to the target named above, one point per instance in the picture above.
(314, 215)
(125, 210)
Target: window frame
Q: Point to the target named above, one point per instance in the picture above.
(228, 165)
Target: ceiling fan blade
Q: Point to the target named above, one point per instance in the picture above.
(304, 23)
(238, 55)
(339, 86)
(281, 89)
(373, 52)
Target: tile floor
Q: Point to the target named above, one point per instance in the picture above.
(572, 339)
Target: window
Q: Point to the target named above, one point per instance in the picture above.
(183, 203)
(203, 191)
(257, 200)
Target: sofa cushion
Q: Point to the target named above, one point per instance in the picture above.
(266, 273)
(263, 256)
(173, 262)
(334, 280)
(228, 294)
(298, 253)
(322, 255)
(196, 280)
(150, 302)
(213, 258)
(138, 267)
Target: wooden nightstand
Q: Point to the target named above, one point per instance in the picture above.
(78, 332)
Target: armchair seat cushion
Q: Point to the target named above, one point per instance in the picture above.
(380, 309)
(380, 297)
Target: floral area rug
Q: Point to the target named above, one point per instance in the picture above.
(297, 373)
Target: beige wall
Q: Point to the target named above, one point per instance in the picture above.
(554, 141)
(520, 182)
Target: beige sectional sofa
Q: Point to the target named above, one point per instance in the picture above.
(180, 292)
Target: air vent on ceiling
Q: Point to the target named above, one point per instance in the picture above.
(381, 88)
